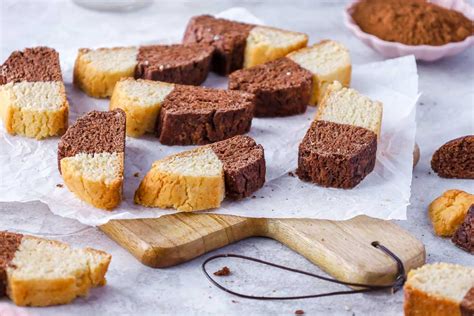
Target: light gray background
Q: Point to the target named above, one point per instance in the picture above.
(445, 111)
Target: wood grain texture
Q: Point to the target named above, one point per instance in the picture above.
(341, 248)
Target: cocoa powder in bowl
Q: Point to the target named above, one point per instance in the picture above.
(411, 22)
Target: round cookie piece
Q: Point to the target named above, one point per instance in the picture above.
(455, 159)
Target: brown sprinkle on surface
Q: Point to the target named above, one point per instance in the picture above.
(225, 271)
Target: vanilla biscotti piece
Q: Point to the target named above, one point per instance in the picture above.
(328, 61)
(440, 289)
(347, 106)
(41, 272)
(91, 158)
(180, 114)
(448, 211)
(97, 71)
(199, 179)
(240, 45)
(32, 95)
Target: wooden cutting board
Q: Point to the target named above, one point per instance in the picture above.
(341, 248)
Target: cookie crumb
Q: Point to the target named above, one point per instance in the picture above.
(59, 185)
(254, 197)
(136, 174)
(234, 301)
(225, 271)
(299, 312)
(291, 174)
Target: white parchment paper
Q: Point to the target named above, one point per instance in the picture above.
(28, 168)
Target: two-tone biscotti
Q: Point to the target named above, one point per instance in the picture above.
(455, 159)
(339, 149)
(287, 85)
(32, 95)
(464, 236)
(240, 45)
(441, 289)
(41, 272)
(183, 115)
(91, 158)
(199, 179)
(96, 71)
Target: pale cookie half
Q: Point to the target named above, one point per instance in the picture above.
(95, 178)
(347, 106)
(34, 109)
(189, 181)
(141, 100)
(328, 61)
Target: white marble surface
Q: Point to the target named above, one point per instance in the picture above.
(445, 111)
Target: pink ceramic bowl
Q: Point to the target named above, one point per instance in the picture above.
(421, 52)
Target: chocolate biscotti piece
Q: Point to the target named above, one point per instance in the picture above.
(328, 61)
(467, 303)
(91, 158)
(455, 159)
(441, 289)
(97, 71)
(40, 272)
(464, 236)
(199, 179)
(196, 115)
(281, 87)
(32, 95)
(183, 115)
(336, 155)
(240, 45)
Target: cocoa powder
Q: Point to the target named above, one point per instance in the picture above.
(411, 22)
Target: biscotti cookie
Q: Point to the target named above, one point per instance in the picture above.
(199, 179)
(97, 71)
(448, 211)
(440, 289)
(328, 61)
(183, 115)
(32, 95)
(281, 87)
(464, 236)
(455, 159)
(240, 45)
(339, 150)
(41, 272)
(336, 155)
(91, 158)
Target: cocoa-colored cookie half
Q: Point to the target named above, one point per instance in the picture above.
(464, 235)
(182, 64)
(281, 87)
(455, 159)
(195, 115)
(228, 37)
(9, 243)
(95, 132)
(336, 155)
(244, 165)
(31, 64)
